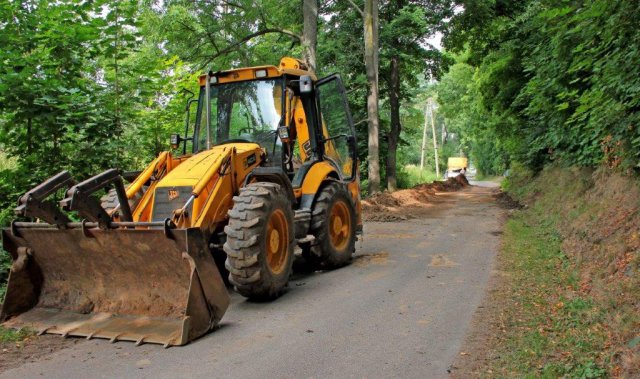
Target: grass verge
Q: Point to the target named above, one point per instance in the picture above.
(8, 335)
(411, 175)
(549, 328)
(11, 335)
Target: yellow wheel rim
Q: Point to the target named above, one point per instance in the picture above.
(339, 225)
(277, 241)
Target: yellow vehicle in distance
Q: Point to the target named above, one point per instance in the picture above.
(456, 166)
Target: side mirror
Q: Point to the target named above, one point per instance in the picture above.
(283, 133)
(306, 84)
(174, 140)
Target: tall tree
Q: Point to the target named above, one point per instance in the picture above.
(226, 34)
(406, 55)
(394, 132)
(119, 38)
(371, 59)
(310, 31)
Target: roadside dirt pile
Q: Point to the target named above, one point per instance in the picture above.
(507, 202)
(408, 203)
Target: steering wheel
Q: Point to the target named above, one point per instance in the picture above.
(247, 130)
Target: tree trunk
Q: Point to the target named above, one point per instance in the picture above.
(371, 64)
(394, 133)
(310, 31)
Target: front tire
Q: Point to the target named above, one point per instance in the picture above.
(260, 241)
(111, 203)
(333, 224)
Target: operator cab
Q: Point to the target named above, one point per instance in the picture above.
(295, 125)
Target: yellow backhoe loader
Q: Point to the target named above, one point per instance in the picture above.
(273, 164)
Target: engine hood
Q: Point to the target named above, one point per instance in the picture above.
(192, 170)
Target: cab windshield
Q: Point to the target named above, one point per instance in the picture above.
(249, 111)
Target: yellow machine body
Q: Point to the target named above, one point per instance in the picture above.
(148, 274)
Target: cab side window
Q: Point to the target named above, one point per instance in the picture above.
(337, 129)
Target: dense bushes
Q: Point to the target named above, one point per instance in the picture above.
(554, 80)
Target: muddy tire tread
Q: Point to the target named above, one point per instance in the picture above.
(246, 240)
(320, 254)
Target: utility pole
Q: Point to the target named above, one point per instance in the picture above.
(424, 141)
(435, 141)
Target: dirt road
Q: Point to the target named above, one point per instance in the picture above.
(401, 309)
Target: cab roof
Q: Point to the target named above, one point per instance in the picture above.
(288, 66)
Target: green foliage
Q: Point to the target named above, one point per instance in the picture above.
(556, 80)
(5, 265)
(411, 175)
(517, 183)
(461, 104)
(10, 335)
(219, 35)
(80, 90)
(48, 102)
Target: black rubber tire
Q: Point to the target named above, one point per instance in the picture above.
(246, 244)
(321, 254)
(110, 201)
(220, 259)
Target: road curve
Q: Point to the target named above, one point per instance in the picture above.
(401, 309)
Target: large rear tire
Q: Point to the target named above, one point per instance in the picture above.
(333, 224)
(260, 241)
(110, 201)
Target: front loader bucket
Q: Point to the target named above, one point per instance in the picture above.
(144, 285)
